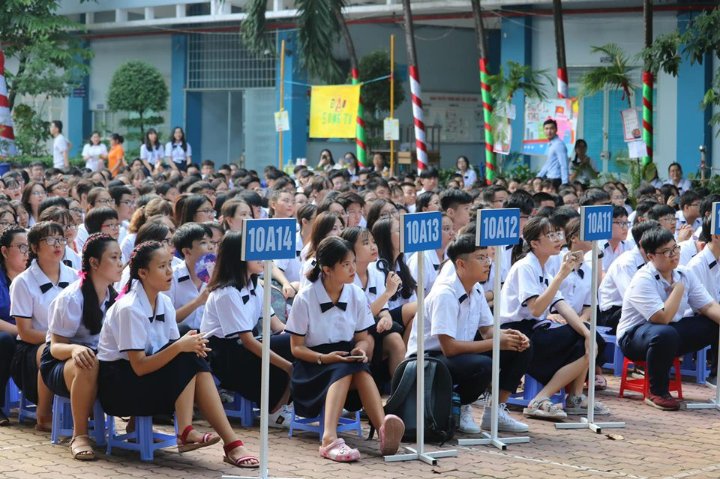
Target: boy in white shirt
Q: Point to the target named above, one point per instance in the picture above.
(60, 146)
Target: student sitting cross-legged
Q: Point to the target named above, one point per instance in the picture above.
(667, 312)
(458, 332)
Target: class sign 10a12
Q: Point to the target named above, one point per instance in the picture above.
(268, 239)
(498, 227)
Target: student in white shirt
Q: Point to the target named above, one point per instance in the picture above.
(69, 366)
(463, 168)
(432, 259)
(676, 179)
(325, 224)
(147, 368)
(33, 194)
(616, 245)
(458, 332)
(329, 321)
(560, 352)
(95, 153)
(233, 213)
(689, 213)
(61, 146)
(152, 152)
(188, 292)
(178, 152)
(456, 204)
(62, 216)
(231, 316)
(124, 204)
(665, 215)
(285, 271)
(522, 200)
(30, 295)
(387, 335)
(403, 304)
(617, 279)
(656, 325)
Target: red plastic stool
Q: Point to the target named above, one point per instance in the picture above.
(642, 385)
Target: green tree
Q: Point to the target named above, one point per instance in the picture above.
(616, 75)
(138, 88)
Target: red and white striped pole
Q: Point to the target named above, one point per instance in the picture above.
(562, 83)
(7, 136)
(420, 143)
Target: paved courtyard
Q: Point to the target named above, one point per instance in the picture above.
(655, 444)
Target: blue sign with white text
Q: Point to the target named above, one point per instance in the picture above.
(596, 223)
(420, 231)
(268, 239)
(715, 221)
(498, 227)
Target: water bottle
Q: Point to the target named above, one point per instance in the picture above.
(456, 410)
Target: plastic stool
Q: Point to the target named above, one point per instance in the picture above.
(143, 436)
(642, 385)
(317, 424)
(531, 389)
(241, 408)
(62, 422)
(613, 355)
(26, 409)
(12, 397)
(695, 364)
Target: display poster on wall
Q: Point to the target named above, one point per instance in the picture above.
(564, 111)
(460, 116)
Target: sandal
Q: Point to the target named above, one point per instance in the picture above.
(391, 433)
(338, 451)
(543, 408)
(243, 462)
(4, 421)
(600, 383)
(208, 439)
(82, 452)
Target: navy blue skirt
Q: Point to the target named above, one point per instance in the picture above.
(240, 370)
(311, 381)
(24, 369)
(53, 373)
(124, 393)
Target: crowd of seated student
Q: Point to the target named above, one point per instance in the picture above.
(101, 295)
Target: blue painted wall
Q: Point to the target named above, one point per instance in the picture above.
(296, 101)
(515, 37)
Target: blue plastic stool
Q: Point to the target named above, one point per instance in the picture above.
(530, 390)
(62, 422)
(143, 436)
(12, 398)
(695, 364)
(26, 409)
(317, 424)
(241, 408)
(613, 355)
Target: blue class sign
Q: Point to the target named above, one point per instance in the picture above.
(268, 239)
(596, 223)
(715, 220)
(498, 227)
(421, 231)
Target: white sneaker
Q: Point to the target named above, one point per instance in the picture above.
(467, 422)
(280, 419)
(506, 423)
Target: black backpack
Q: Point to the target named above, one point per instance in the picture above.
(439, 422)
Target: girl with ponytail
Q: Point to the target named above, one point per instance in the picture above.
(147, 368)
(69, 366)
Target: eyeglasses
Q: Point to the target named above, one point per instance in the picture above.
(54, 241)
(207, 211)
(669, 253)
(667, 219)
(555, 236)
(38, 193)
(23, 248)
(622, 224)
(108, 201)
(695, 205)
(70, 227)
(112, 226)
(483, 259)
(127, 202)
(60, 188)
(4, 224)
(77, 211)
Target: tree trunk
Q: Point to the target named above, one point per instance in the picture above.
(414, 74)
(647, 89)
(562, 79)
(490, 164)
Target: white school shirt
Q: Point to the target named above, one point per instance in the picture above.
(60, 146)
(31, 293)
(127, 245)
(291, 268)
(154, 156)
(608, 254)
(175, 152)
(92, 153)
(450, 310)
(705, 268)
(397, 300)
(469, 177)
(617, 279)
(431, 267)
(66, 312)
(683, 186)
(130, 325)
(125, 276)
(681, 221)
(375, 286)
(688, 250)
(74, 259)
(81, 237)
(307, 265)
(182, 291)
(576, 288)
(526, 280)
(333, 325)
(648, 291)
(230, 311)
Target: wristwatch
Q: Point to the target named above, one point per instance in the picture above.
(319, 359)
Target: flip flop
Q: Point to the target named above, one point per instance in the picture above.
(338, 451)
(241, 461)
(82, 452)
(391, 433)
(600, 383)
(208, 439)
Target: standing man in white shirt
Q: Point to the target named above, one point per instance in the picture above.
(61, 146)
